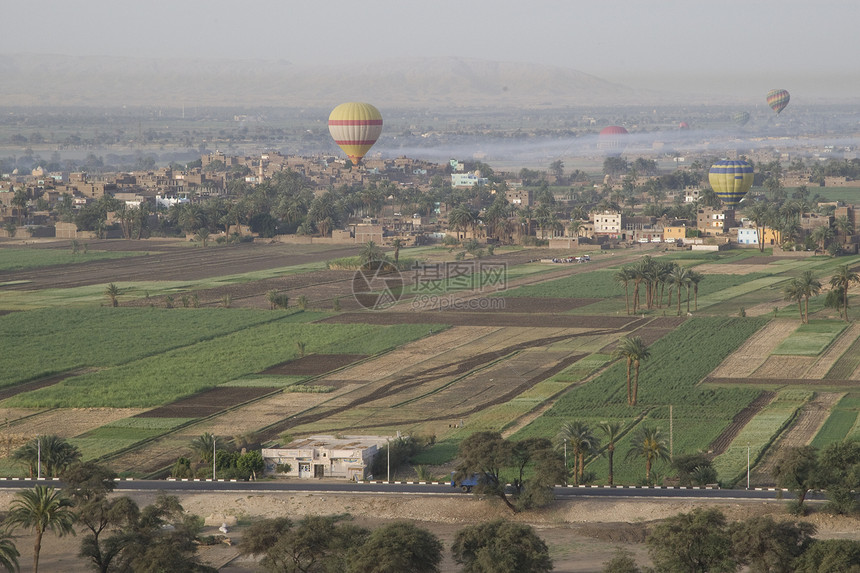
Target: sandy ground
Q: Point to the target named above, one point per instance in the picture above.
(582, 535)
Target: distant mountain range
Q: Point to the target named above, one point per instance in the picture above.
(43, 80)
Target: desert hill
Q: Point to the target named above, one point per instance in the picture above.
(460, 82)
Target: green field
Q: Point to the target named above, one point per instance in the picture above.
(20, 259)
(185, 369)
(759, 433)
(669, 377)
(147, 357)
(811, 339)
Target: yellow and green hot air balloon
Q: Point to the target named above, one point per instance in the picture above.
(355, 127)
(731, 180)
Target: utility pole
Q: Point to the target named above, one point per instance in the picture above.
(671, 435)
(748, 465)
(213, 458)
(39, 459)
(388, 451)
(565, 454)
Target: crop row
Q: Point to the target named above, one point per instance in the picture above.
(846, 364)
(759, 433)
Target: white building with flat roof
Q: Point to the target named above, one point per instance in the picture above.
(324, 456)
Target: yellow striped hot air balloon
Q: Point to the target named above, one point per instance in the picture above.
(355, 127)
(731, 180)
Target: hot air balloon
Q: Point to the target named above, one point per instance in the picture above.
(355, 127)
(741, 118)
(611, 139)
(683, 125)
(777, 100)
(731, 180)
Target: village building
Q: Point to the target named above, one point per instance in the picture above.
(347, 457)
(711, 221)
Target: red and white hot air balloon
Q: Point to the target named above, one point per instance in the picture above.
(355, 127)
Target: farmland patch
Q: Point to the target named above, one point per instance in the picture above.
(314, 364)
(848, 365)
(205, 403)
(545, 305)
(759, 433)
(837, 349)
(779, 367)
(752, 353)
(810, 339)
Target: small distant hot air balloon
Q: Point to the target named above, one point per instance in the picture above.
(683, 125)
(741, 118)
(731, 180)
(355, 127)
(777, 100)
(611, 139)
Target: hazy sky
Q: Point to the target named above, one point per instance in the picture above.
(721, 45)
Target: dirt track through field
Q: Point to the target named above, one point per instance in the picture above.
(812, 416)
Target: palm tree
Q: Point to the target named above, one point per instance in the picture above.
(809, 287)
(759, 214)
(792, 292)
(202, 235)
(842, 279)
(624, 276)
(635, 351)
(41, 509)
(20, 198)
(112, 292)
(822, 235)
(679, 278)
(581, 441)
(397, 244)
(205, 446)
(8, 554)
(637, 277)
(55, 453)
(612, 431)
(370, 253)
(844, 226)
(648, 443)
(695, 278)
(461, 218)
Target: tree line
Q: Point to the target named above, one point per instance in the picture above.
(652, 278)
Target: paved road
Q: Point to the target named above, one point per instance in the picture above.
(412, 488)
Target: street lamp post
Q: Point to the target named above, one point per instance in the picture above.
(388, 451)
(39, 459)
(748, 465)
(565, 454)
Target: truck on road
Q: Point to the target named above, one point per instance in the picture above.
(466, 484)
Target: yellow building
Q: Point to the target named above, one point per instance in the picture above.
(671, 233)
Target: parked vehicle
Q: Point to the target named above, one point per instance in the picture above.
(465, 484)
